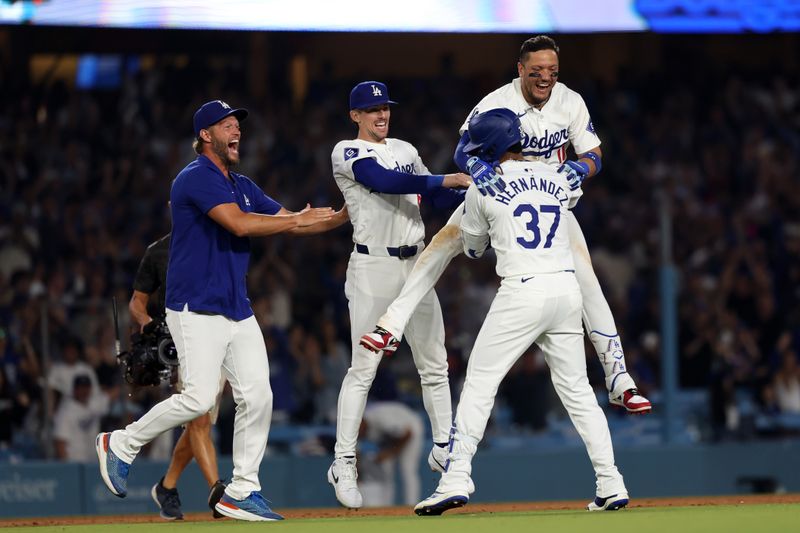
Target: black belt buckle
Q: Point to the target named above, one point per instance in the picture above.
(404, 252)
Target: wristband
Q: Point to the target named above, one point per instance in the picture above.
(596, 159)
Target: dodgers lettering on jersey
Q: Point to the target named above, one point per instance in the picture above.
(547, 132)
(380, 219)
(545, 145)
(408, 169)
(527, 224)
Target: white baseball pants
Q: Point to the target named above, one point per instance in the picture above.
(207, 346)
(597, 317)
(372, 284)
(546, 310)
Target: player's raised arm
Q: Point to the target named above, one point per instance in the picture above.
(379, 179)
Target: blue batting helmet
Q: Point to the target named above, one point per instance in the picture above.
(492, 133)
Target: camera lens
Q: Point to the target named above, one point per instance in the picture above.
(167, 353)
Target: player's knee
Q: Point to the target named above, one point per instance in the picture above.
(433, 375)
(449, 239)
(200, 425)
(362, 377)
(198, 403)
(261, 402)
(481, 388)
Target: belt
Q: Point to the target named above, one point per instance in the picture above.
(401, 252)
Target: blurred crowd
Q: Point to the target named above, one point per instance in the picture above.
(84, 184)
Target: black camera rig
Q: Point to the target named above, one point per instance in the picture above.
(152, 356)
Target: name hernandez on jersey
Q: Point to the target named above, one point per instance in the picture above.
(524, 225)
(380, 219)
(547, 132)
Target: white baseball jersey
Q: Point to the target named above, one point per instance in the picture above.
(524, 223)
(562, 121)
(374, 280)
(380, 219)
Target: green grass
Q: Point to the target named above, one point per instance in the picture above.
(727, 518)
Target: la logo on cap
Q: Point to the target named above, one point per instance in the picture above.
(224, 104)
(376, 91)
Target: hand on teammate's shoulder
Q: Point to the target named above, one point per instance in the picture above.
(458, 180)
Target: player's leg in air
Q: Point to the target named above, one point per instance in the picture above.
(444, 246)
(599, 323)
(598, 320)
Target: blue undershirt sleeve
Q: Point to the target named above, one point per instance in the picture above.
(370, 174)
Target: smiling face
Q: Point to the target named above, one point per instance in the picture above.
(538, 73)
(373, 122)
(224, 139)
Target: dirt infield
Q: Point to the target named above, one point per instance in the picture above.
(398, 511)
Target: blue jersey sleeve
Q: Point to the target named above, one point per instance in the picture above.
(379, 179)
(460, 157)
(262, 203)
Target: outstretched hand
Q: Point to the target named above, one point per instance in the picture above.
(314, 215)
(484, 176)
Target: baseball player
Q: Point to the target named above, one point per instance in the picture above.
(539, 300)
(552, 118)
(214, 211)
(382, 180)
(147, 301)
(398, 431)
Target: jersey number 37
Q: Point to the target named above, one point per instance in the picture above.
(533, 225)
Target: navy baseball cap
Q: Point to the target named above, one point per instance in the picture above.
(369, 93)
(81, 380)
(212, 112)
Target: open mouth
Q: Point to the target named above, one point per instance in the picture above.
(233, 146)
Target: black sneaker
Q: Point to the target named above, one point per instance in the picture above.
(217, 490)
(167, 500)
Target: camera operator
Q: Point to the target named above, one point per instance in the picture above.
(147, 305)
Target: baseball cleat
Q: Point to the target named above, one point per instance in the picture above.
(214, 496)
(113, 470)
(632, 401)
(614, 502)
(167, 500)
(254, 508)
(439, 502)
(438, 457)
(437, 460)
(379, 341)
(342, 475)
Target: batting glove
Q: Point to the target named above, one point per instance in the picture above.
(576, 173)
(484, 176)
